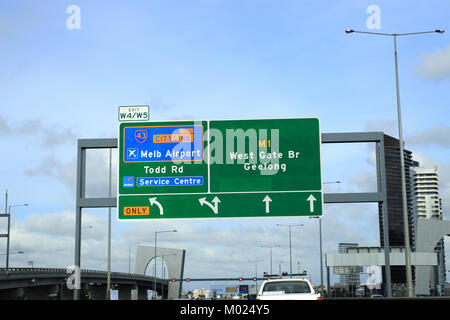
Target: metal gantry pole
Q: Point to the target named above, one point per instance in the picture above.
(403, 179)
(382, 186)
(321, 262)
(81, 170)
(154, 277)
(108, 281)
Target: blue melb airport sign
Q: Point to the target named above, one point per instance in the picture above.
(129, 181)
(163, 143)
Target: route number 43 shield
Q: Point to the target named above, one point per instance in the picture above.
(141, 136)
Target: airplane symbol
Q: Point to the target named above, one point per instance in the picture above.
(132, 153)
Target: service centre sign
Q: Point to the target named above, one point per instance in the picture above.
(219, 169)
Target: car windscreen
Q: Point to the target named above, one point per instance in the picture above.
(287, 287)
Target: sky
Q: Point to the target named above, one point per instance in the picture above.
(64, 73)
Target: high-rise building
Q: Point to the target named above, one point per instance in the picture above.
(427, 204)
(426, 199)
(395, 203)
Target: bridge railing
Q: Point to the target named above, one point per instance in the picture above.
(83, 271)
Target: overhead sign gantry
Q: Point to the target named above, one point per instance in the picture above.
(219, 169)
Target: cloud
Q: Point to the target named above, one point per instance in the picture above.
(4, 127)
(364, 181)
(97, 176)
(434, 136)
(45, 135)
(389, 127)
(435, 66)
(47, 239)
(63, 224)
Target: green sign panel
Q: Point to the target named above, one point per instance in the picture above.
(219, 169)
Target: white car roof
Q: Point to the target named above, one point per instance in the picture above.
(288, 280)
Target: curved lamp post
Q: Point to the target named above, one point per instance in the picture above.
(402, 160)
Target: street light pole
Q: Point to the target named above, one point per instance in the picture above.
(270, 247)
(402, 160)
(256, 272)
(9, 230)
(404, 201)
(290, 242)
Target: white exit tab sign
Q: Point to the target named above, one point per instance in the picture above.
(134, 113)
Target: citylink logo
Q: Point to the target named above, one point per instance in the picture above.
(128, 182)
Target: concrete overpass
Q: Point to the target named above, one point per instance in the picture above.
(51, 283)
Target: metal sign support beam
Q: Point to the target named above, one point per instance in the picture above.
(350, 137)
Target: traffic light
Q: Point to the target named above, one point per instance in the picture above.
(240, 279)
(173, 279)
(254, 278)
(188, 279)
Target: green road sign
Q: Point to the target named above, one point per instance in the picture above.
(219, 169)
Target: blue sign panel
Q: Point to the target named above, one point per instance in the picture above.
(168, 181)
(243, 289)
(163, 143)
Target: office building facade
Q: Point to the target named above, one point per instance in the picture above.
(395, 202)
(427, 204)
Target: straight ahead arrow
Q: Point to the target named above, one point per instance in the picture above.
(311, 200)
(267, 200)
